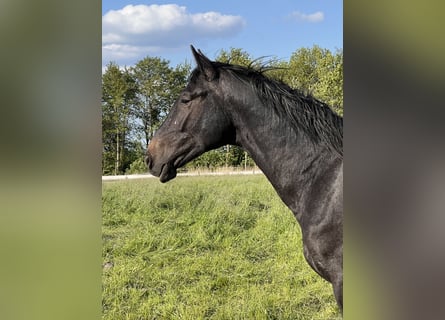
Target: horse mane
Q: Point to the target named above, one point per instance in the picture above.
(302, 110)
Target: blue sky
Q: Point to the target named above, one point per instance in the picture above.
(134, 29)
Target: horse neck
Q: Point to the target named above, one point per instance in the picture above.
(291, 161)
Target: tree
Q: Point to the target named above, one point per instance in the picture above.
(330, 86)
(235, 56)
(118, 93)
(158, 86)
(318, 72)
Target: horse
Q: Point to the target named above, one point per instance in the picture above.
(295, 139)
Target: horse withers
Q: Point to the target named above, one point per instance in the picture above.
(294, 138)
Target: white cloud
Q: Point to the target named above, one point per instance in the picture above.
(303, 17)
(124, 51)
(137, 29)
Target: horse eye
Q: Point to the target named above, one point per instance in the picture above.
(186, 98)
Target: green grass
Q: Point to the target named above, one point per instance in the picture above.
(205, 248)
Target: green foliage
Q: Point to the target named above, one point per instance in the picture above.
(206, 248)
(134, 103)
(226, 156)
(209, 160)
(319, 72)
(235, 56)
(158, 86)
(118, 94)
(137, 166)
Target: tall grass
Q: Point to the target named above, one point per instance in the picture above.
(205, 248)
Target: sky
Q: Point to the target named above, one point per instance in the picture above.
(134, 29)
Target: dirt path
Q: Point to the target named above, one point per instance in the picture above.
(185, 174)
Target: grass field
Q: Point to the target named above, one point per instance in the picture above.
(205, 248)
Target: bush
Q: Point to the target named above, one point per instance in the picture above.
(137, 166)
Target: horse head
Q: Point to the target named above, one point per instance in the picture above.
(196, 123)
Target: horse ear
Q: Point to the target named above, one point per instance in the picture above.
(204, 64)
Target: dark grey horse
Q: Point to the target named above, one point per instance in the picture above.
(295, 139)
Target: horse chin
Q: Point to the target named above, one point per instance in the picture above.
(168, 172)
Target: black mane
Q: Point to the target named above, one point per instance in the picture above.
(304, 111)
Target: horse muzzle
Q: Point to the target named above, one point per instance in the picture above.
(167, 153)
(165, 171)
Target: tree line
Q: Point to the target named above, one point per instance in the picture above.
(135, 101)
